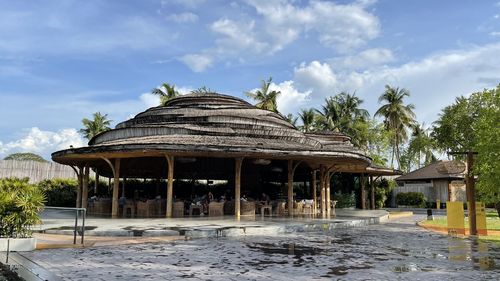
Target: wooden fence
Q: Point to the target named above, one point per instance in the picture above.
(35, 171)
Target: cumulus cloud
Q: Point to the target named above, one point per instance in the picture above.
(277, 24)
(433, 81)
(43, 142)
(365, 59)
(290, 100)
(197, 62)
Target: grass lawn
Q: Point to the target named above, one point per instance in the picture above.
(492, 221)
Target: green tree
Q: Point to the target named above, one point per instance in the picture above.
(166, 92)
(307, 117)
(420, 147)
(398, 117)
(471, 124)
(26, 156)
(97, 125)
(265, 98)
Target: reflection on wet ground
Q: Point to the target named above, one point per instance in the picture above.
(380, 252)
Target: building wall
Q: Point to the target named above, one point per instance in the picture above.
(35, 171)
(440, 191)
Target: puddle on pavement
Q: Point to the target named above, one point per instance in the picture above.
(292, 249)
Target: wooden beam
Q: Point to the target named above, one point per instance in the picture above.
(290, 187)
(237, 187)
(85, 186)
(314, 183)
(372, 193)
(170, 185)
(362, 191)
(80, 187)
(116, 186)
(322, 190)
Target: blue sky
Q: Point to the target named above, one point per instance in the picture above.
(60, 61)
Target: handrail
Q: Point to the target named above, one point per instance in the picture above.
(77, 212)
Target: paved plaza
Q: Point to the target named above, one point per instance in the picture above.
(397, 250)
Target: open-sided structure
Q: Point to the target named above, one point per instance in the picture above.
(214, 137)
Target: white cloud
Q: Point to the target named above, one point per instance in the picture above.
(150, 100)
(290, 100)
(495, 33)
(315, 75)
(197, 62)
(433, 81)
(365, 59)
(187, 17)
(343, 27)
(43, 142)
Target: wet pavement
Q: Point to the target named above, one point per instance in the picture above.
(397, 250)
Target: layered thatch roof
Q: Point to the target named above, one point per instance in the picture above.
(431, 172)
(215, 125)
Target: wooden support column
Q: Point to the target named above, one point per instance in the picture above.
(170, 185)
(116, 186)
(85, 186)
(96, 183)
(79, 188)
(372, 193)
(237, 187)
(124, 184)
(314, 183)
(327, 186)
(290, 187)
(362, 191)
(322, 188)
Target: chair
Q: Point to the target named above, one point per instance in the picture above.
(298, 207)
(178, 211)
(281, 209)
(247, 208)
(263, 209)
(216, 209)
(129, 206)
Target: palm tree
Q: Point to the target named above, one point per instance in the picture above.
(397, 117)
(166, 92)
(265, 98)
(329, 115)
(307, 117)
(421, 144)
(202, 91)
(291, 119)
(349, 107)
(99, 124)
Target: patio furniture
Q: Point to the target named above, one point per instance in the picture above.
(146, 209)
(161, 208)
(281, 209)
(333, 203)
(247, 208)
(193, 208)
(216, 209)
(298, 207)
(229, 207)
(178, 211)
(129, 206)
(263, 209)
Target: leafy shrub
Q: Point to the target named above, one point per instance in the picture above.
(20, 204)
(383, 190)
(59, 192)
(411, 199)
(345, 200)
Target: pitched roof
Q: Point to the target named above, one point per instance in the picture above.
(429, 172)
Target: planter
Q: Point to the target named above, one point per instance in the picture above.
(18, 244)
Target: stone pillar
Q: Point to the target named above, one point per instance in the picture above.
(80, 187)
(116, 186)
(290, 187)
(170, 185)
(362, 191)
(85, 186)
(314, 183)
(372, 193)
(237, 187)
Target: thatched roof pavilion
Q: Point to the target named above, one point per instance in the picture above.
(210, 136)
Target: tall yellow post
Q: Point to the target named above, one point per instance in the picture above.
(455, 218)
